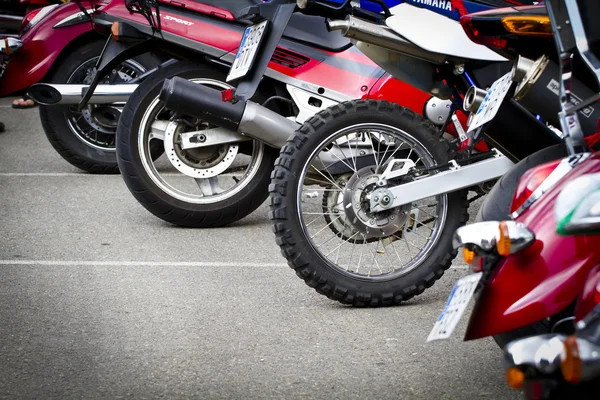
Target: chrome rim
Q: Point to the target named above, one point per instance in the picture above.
(83, 123)
(340, 161)
(240, 171)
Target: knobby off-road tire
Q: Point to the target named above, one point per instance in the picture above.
(496, 208)
(310, 265)
(149, 194)
(56, 121)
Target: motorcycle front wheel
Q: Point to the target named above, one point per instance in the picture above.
(199, 187)
(320, 192)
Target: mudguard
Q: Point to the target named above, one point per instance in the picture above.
(114, 53)
(541, 280)
(43, 44)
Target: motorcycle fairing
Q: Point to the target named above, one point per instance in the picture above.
(437, 33)
(541, 280)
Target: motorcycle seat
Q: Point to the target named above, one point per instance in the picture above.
(301, 28)
(313, 31)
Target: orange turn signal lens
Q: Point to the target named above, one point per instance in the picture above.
(114, 29)
(515, 378)
(468, 255)
(528, 25)
(570, 363)
(503, 243)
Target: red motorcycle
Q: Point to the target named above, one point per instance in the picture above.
(532, 278)
(556, 365)
(58, 43)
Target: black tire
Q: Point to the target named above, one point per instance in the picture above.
(318, 272)
(497, 202)
(54, 119)
(153, 198)
(496, 208)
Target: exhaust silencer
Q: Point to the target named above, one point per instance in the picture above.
(382, 36)
(50, 94)
(247, 118)
(473, 99)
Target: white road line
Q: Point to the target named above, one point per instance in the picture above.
(74, 263)
(67, 263)
(58, 174)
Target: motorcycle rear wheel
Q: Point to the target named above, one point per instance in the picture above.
(172, 188)
(76, 135)
(303, 207)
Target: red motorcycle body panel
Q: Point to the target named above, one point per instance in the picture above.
(42, 44)
(541, 280)
(590, 296)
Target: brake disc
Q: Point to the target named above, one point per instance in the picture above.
(356, 205)
(199, 162)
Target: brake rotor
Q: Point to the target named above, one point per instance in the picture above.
(333, 211)
(356, 205)
(199, 162)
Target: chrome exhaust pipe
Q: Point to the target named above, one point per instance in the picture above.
(247, 118)
(473, 99)
(50, 94)
(382, 36)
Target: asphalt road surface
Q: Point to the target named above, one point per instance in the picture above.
(100, 299)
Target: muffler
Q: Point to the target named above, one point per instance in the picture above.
(382, 36)
(50, 94)
(246, 118)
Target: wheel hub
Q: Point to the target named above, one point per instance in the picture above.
(200, 162)
(357, 195)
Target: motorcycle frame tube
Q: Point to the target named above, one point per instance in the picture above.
(541, 280)
(27, 66)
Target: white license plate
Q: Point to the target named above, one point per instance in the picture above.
(455, 307)
(491, 103)
(249, 46)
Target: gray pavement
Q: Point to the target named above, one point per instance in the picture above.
(99, 299)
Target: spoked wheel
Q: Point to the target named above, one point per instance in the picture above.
(323, 184)
(196, 183)
(87, 138)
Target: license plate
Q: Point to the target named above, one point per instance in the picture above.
(491, 103)
(455, 307)
(249, 46)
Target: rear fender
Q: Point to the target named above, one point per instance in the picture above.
(114, 53)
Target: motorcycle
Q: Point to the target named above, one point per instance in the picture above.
(310, 70)
(377, 230)
(565, 364)
(528, 277)
(344, 171)
(58, 43)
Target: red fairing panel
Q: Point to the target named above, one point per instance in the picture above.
(541, 280)
(41, 46)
